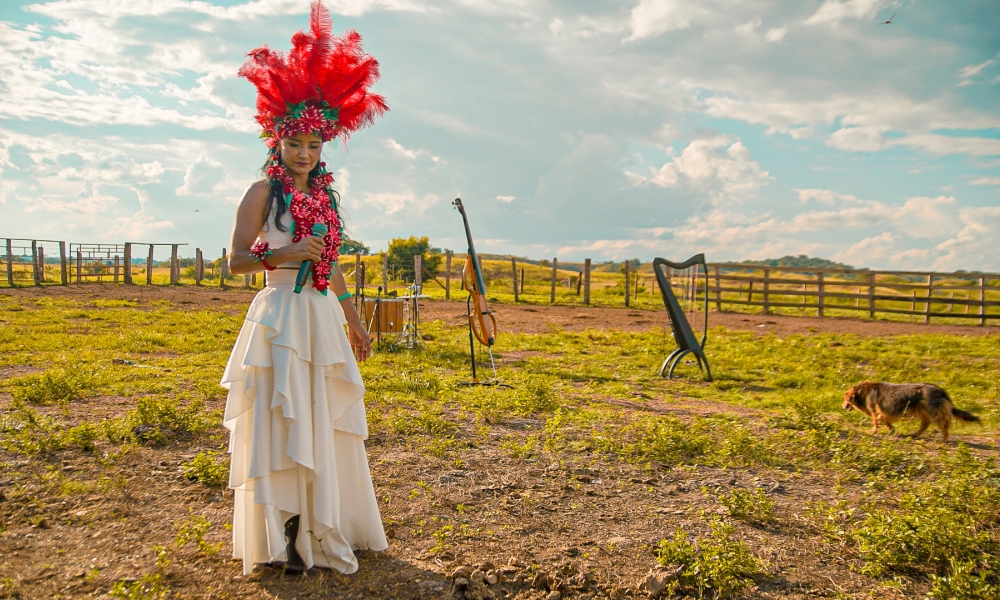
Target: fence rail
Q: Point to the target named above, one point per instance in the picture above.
(928, 294)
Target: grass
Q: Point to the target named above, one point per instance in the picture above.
(775, 405)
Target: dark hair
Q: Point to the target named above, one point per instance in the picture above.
(276, 197)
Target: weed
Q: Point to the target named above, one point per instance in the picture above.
(156, 418)
(718, 565)
(55, 386)
(210, 468)
(962, 581)
(193, 529)
(150, 586)
(440, 536)
(521, 450)
(951, 518)
(665, 439)
(752, 506)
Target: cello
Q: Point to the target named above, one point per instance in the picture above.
(482, 322)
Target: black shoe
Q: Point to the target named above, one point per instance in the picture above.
(295, 563)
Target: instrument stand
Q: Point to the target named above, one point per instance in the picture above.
(410, 337)
(495, 382)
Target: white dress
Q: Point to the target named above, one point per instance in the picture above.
(297, 428)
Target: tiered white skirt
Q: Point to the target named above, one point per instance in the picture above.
(297, 428)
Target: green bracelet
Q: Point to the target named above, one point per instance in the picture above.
(343, 297)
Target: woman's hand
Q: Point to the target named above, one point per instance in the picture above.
(361, 342)
(308, 248)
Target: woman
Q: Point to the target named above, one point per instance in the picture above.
(303, 491)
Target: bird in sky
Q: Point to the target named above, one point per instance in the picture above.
(889, 20)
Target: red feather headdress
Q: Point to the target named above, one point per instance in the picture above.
(320, 86)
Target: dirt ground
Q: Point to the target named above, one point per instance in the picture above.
(557, 526)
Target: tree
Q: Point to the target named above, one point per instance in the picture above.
(350, 246)
(401, 252)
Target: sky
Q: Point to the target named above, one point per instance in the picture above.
(575, 129)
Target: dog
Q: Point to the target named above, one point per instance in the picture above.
(888, 402)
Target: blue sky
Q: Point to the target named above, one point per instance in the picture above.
(743, 129)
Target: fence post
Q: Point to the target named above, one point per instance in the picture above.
(927, 306)
(199, 266)
(41, 265)
(447, 275)
(117, 266)
(555, 265)
(718, 289)
(223, 269)
(10, 264)
(79, 265)
(149, 266)
(820, 294)
(513, 268)
(418, 272)
(34, 262)
(767, 291)
(982, 300)
(127, 263)
(579, 282)
(627, 290)
(872, 277)
(175, 270)
(63, 267)
(749, 293)
(522, 283)
(586, 281)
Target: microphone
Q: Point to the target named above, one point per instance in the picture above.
(319, 229)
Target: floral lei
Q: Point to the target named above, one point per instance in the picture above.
(318, 206)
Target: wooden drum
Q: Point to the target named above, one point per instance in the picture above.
(388, 318)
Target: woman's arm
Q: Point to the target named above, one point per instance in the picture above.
(249, 221)
(360, 340)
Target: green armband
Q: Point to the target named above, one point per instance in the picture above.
(343, 297)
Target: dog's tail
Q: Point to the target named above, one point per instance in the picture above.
(962, 415)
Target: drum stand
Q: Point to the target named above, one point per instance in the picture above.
(410, 337)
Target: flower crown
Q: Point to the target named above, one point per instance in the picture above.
(320, 86)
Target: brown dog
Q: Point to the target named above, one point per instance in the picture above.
(887, 402)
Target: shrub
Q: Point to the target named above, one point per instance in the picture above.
(752, 506)
(55, 386)
(210, 468)
(952, 518)
(718, 565)
(962, 582)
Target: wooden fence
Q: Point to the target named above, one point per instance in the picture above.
(916, 293)
(797, 290)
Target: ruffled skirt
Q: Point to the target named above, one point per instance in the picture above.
(297, 428)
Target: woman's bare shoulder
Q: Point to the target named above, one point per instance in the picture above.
(256, 194)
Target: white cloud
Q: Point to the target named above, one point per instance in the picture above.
(986, 181)
(749, 27)
(407, 153)
(719, 164)
(857, 139)
(652, 17)
(139, 224)
(392, 203)
(970, 72)
(507, 199)
(835, 11)
(204, 176)
(776, 34)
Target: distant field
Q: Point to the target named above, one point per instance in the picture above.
(590, 471)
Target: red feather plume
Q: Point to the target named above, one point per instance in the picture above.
(321, 70)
